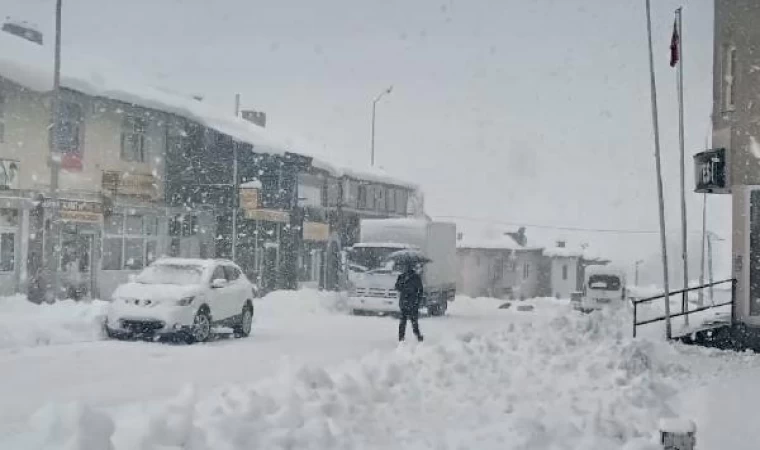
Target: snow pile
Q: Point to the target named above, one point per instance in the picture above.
(562, 381)
(25, 324)
(72, 427)
(298, 303)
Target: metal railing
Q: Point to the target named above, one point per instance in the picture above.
(636, 303)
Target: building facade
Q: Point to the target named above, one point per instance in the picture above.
(736, 128)
(142, 180)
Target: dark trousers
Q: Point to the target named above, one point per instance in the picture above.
(412, 314)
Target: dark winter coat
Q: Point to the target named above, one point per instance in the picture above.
(409, 286)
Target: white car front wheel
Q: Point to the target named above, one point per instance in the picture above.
(243, 329)
(201, 329)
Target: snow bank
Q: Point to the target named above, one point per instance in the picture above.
(299, 303)
(561, 381)
(71, 427)
(25, 324)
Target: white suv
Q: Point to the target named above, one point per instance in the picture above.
(182, 297)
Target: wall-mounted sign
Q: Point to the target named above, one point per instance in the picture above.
(9, 174)
(132, 184)
(710, 172)
(78, 210)
(268, 215)
(249, 198)
(316, 231)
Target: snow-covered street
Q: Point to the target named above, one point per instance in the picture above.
(312, 376)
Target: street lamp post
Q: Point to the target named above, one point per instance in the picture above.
(55, 162)
(374, 107)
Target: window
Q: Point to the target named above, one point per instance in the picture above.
(133, 139)
(564, 272)
(362, 197)
(7, 252)
(729, 79)
(2, 118)
(380, 204)
(231, 273)
(130, 241)
(391, 199)
(218, 274)
(401, 199)
(183, 225)
(371, 197)
(70, 132)
(526, 271)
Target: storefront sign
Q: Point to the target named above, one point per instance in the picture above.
(249, 198)
(8, 174)
(267, 215)
(77, 210)
(710, 172)
(133, 184)
(316, 231)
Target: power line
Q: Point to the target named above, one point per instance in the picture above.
(553, 227)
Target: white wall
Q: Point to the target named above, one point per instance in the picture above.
(563, 286)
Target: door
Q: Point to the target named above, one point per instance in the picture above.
(221, 298)
(76, 262)
(239, 289)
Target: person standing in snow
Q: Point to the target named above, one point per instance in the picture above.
(409, 286)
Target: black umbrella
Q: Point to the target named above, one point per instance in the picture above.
(408, 257)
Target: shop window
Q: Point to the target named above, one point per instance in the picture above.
(8, 217)
(130, 241)
(183, 226)
(7, 252)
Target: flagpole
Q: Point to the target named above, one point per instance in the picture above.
(658, 166)
(684, 232)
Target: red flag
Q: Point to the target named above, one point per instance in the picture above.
(675, 46)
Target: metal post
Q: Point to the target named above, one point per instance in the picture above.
(684, 233)
(372, 148)
(235, 189)
(710, 267)
(55, 161)
(702, 261)
(636, 273)
(655, 125)
(372, 137)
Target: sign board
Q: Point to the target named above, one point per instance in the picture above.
(249, 198)
(78, 210)
(316, 231)
(9, 174)
(132, 184)
(268, 215)
(710, 172)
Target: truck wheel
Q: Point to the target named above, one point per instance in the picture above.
(438, 309)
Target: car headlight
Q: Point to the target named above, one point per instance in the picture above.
(185, 301)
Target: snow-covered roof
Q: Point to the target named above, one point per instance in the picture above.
(563, 252)
(31, 65)
(393, 245)
(185, 262)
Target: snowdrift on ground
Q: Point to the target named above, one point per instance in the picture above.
(564, 381)
(25, 324)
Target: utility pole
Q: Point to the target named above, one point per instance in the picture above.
(235, 189)
(710, 236)
(374, 107)
(658, 165)
(53, 233)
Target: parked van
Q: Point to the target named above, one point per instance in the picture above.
(603, 286)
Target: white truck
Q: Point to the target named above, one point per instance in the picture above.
(373, 275)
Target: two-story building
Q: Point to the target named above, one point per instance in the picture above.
(145, 173)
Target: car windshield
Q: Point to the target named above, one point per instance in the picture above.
(371, 258)
(183, 274)
(604, 282)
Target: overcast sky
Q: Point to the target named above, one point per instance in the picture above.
(522, 111)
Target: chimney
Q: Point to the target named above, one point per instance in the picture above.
(520, 238)
(256, 117)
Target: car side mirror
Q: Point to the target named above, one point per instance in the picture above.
(218, 283)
